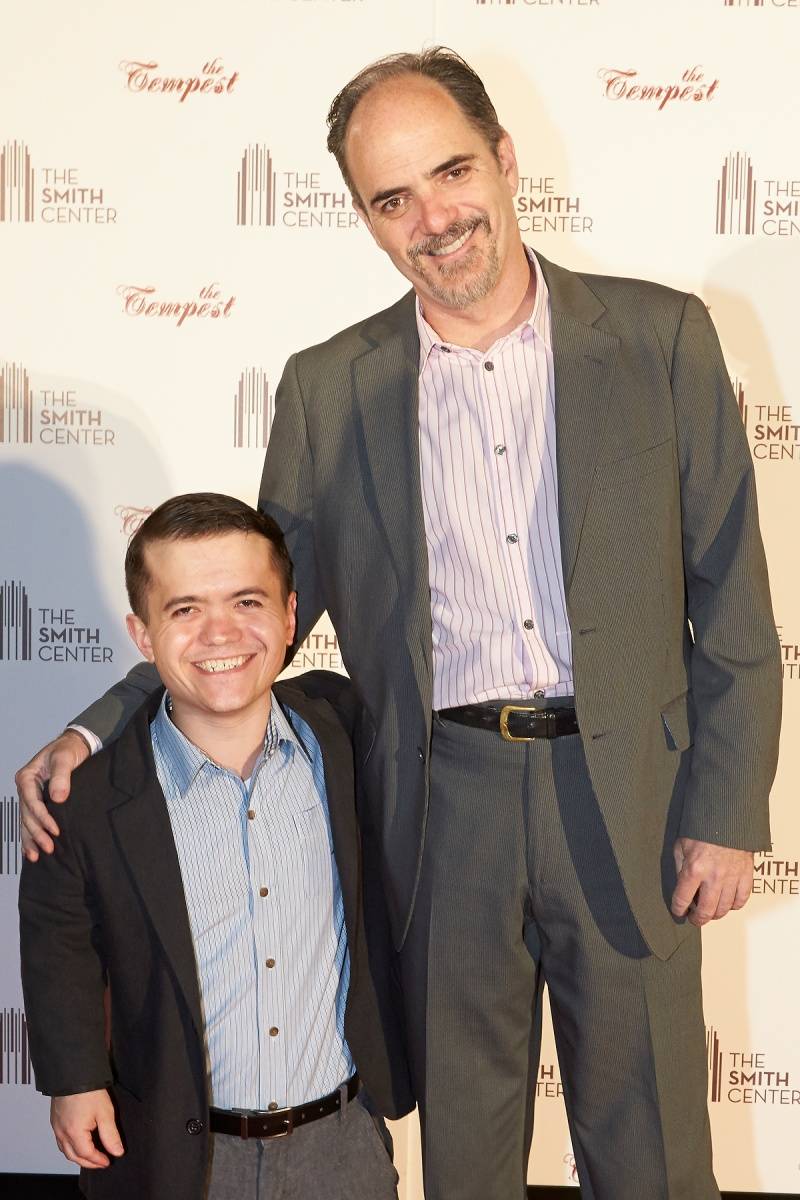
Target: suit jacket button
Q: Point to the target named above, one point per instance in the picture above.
(194, 1126)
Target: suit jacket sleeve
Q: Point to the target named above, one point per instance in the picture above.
(735, 658)
(109, 715)
(63, 974)
(287, 494)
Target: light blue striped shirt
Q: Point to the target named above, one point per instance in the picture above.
(266, 913)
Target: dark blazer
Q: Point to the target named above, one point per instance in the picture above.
(675, 653)
(109, 903)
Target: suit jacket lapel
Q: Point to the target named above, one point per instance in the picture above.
(386, 380)
(584, 357)
(144, 838)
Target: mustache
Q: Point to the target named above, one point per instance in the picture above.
(439, 241)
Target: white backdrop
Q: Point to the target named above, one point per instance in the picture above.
(656, 138)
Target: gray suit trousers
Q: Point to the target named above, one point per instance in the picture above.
(519, 888)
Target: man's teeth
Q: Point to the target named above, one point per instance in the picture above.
(221, 664)
(452, 246)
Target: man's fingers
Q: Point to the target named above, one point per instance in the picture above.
(743, 891)
(727, 896)
(109, 1136)
(68, 752)
(705, 905)
(78, 1147)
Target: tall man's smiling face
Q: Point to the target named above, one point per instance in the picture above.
(217, 624)
(432, 191)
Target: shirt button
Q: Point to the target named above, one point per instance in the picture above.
(499, 449)
(263, 891)
(194, 1126)
(273, 1104)
(251, 814)
(538, 695)
(528, 623)
(488, 366)
(274, 1031)
(270, 962)
(445, 348)
(512, 539)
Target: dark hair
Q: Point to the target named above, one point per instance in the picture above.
(442, 66)
(198, 515)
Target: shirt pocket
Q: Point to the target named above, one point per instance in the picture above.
(315, 849)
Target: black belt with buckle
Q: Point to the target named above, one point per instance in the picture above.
(278, 1122)
(515, 722)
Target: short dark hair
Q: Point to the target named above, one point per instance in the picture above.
(199, 515)
(439, 64)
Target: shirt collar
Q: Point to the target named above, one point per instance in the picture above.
(186, 761)
(428, 339)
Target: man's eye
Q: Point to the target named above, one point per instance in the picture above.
(182, 612)
(392, 205)
(457, 172)
(250, 603)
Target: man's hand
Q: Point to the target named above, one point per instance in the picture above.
(55, 762)
(711, 880)
(74, 1120)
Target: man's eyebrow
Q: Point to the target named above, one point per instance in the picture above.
(251, 591)
(447, 165)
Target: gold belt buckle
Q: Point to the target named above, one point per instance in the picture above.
(288, 1121)
(504, 712)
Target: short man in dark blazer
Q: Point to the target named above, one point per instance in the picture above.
(209, 876)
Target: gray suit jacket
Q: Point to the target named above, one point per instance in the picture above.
(676, 661)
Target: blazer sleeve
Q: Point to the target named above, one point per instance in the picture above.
(108, 716)
(287, 494)
(63, 974)
(735, 656)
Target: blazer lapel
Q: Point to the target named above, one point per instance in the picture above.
(144, 838)
(386, 382)
(584, 358)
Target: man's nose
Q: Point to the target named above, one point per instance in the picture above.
(219, 628)
(436, 214)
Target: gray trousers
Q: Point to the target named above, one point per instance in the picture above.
(339, 1157)
(519, 887)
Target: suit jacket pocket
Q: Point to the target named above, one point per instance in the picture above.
(677, 725)
(635, 466)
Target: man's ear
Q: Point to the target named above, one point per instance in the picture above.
(139, 635)
(291, 618)
(507, 159)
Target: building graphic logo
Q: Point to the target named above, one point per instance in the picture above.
(9, 836)
(256, 188)
(778, 876)
(736, 196)
(15, 622)
(253, 410)
(16, 404)
(15, 1057)
(738, 391)
(16, 183)
(714, 1054)
(744, 3)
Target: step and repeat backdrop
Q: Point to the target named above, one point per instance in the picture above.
(172, 228)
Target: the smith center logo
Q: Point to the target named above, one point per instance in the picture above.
(772, 431)
(266, 195)
(748, 204)
(253, 410)
(790, 655)
(50, 635)
(544, 207)
(538, 3)
(56, 195)
(746, 1076)
(775, 876)
(50, 416)
(319, 652)
(10, 853)
(15, 1058)
(761, 3)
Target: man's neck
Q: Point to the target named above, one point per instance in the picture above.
(507, 306)
(231, 740)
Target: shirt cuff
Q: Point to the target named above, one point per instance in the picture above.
(91, 739)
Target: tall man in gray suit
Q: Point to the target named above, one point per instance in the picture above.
(525, 498)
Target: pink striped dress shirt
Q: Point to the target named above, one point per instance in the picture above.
(490, 498)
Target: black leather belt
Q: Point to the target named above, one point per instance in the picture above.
(515, 722)
(280, 1122)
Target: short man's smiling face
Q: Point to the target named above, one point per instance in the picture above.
(217, 624)
(434, 194)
